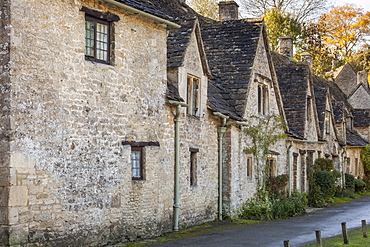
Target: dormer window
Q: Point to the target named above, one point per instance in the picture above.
(327, 122)
(193, 84)
(349, 123)
(263, 99)
(309, 100)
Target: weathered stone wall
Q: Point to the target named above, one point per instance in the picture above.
(70, 176)
(4, 119)
(355, 166)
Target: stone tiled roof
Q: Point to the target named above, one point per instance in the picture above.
(231, 48)
(353, 139)
(321, 91)
(173, 92)
(338, 99)
(293, 81)
(177, 42)
(175, 8)
(361, 117)
(217, 102)
(147, 6)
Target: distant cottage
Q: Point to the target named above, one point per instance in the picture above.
(124, 119)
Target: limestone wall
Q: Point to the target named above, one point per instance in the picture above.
(70, 174)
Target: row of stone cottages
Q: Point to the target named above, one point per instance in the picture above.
(123, 119)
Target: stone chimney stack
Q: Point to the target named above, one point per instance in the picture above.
(228, 10)
(307, 58)
(286, 46)
(362, 78)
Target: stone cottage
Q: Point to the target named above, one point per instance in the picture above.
(241, 66)
(88, 138)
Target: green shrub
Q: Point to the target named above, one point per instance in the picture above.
(266, 209)
(315, 197)
(326, 182)
(322, 164)
(359, 185)
(322, 188)
(288, 207)
(350, 182)
(256, 209)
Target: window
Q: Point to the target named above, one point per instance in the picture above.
(348, 165)
(271, 167)
(327, 122)
(262, 99)
(137, 163)
(97, 39)
(193, 95)
(193, 166)
(98, 35)
(309, 99)
(349, 123)
(249, 167)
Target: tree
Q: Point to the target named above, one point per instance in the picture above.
(281, 24)
(360, 60)
(345, 28)
(312, 41)
(365, 159)
(207, 8)
(264, 132)
(301, 10)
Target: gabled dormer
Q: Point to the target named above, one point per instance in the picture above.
(187, 66)
(263, 95)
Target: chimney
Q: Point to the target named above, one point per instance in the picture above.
(307, 58)
(286, 46)
(228, 10)
(362, 78)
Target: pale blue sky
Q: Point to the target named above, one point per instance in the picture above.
(363, 3)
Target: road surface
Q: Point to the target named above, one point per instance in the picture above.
(299, 230)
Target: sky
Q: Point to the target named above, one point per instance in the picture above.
(365, 4)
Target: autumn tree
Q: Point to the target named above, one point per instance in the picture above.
(207, 8)
(345, 28)
(301, 10)
(312, 41)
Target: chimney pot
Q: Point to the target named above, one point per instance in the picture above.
(228, 10)
(307, 58)
(286, 46)
(362, 78)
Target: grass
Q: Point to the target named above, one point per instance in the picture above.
(355, 239)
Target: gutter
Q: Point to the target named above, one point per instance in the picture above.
(304, 141)
(142, 13)
(176, 205)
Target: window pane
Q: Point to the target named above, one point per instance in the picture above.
(89, 38)
(136, 164)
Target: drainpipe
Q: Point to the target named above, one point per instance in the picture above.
(176, 204)
(220, 131)
(289, 169)
(343, 166)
